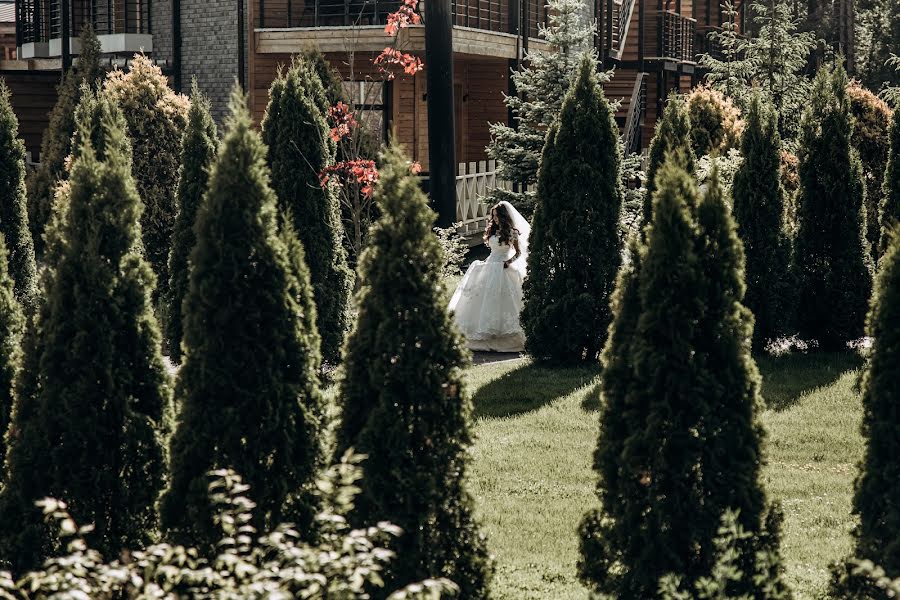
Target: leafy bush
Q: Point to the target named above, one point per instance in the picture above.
(715, 121)
(455, 249)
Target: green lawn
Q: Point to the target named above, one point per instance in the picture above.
(531, 475)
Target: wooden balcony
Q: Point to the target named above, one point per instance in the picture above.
(676, 34)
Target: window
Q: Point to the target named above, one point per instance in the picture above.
(368, 99)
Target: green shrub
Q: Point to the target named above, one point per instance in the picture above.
(12, 325)
(715, 121)
(889, 209)
(672, 136)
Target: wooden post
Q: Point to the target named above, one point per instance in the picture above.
(441, 126)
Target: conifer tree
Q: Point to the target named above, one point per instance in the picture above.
(14, 204)
(889, 208)
(93, 404)
(541, 85)
(673, 135)
(299, 149)
(574, 246)
(198, 150)
(156, 118)
(56, 144)
(404, 400)
(12, 325)
(248, 387)
(680, 436)
(832, 261)
(759, 211)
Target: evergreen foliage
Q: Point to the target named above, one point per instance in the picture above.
(672, 136)
(715, 121)
(889, 210)
(680, 441)
(248, 387)
(156, 118)
(832, 258)
(198, 150)
(14, 204)
(574, 247)
(12, 325)
(759, 211)
(92, 405)
(56, 144)
(299, 149)
(541, 85)
(403, 397)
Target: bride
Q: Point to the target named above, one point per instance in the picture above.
(488, 300)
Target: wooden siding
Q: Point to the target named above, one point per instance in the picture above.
(33, 96)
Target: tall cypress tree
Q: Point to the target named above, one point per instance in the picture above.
(300, 148)
(672, 135)
(759, 211)
(680, 436)
(889, 208)
(574, 245)
(248, 387)
(94, 399)
(403, 397)
(832, 262)
(56, 144)
(12, 325)
(198, 150)
(14, 203)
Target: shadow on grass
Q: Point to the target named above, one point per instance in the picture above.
(787, 378)
(529, 387)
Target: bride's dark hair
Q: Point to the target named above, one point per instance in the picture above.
(504, 229)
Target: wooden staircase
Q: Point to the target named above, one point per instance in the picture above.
(629, 89)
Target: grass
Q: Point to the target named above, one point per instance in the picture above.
(531, 474)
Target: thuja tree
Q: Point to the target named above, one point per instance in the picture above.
(889, 209)
(574, 246)
(877, 536)
(673, 135)
(56, 144)
(299, 149)
(759, 211)
(12, 325)
(248, 386)
(198, 150)
(14, 204)
(540, 88)
(93, 403)
(404, 400)
(156, 118)
(831, 251)
(680, 432)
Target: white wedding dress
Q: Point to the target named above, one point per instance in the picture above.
(488, 300)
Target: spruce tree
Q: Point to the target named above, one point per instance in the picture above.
(680, 433)
(759, 211)
(889, 208)
(248, 387)
(299, 149)
(12, 325)
(404, 400)
(14, 203)
(832, 261)
(93, 403)
(56, 144)
(574, 246)
(198, 150)
(673, 135)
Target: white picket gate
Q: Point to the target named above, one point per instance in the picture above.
(473, 183)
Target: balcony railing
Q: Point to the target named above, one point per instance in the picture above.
(676, 36)
(41, 20)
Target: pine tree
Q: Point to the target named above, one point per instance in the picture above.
(403, 397)
(680, 433)
(156, 118)
(56, 144)
(248, 386)
(889, 209)
(12, 325)
(93, 404)
(14, 204)
(541, 84)
(673, 135)
(759, 211)
(832, 260)
(198, 150)
(297, 136)
(574, 245)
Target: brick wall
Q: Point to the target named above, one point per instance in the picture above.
(162, 30)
